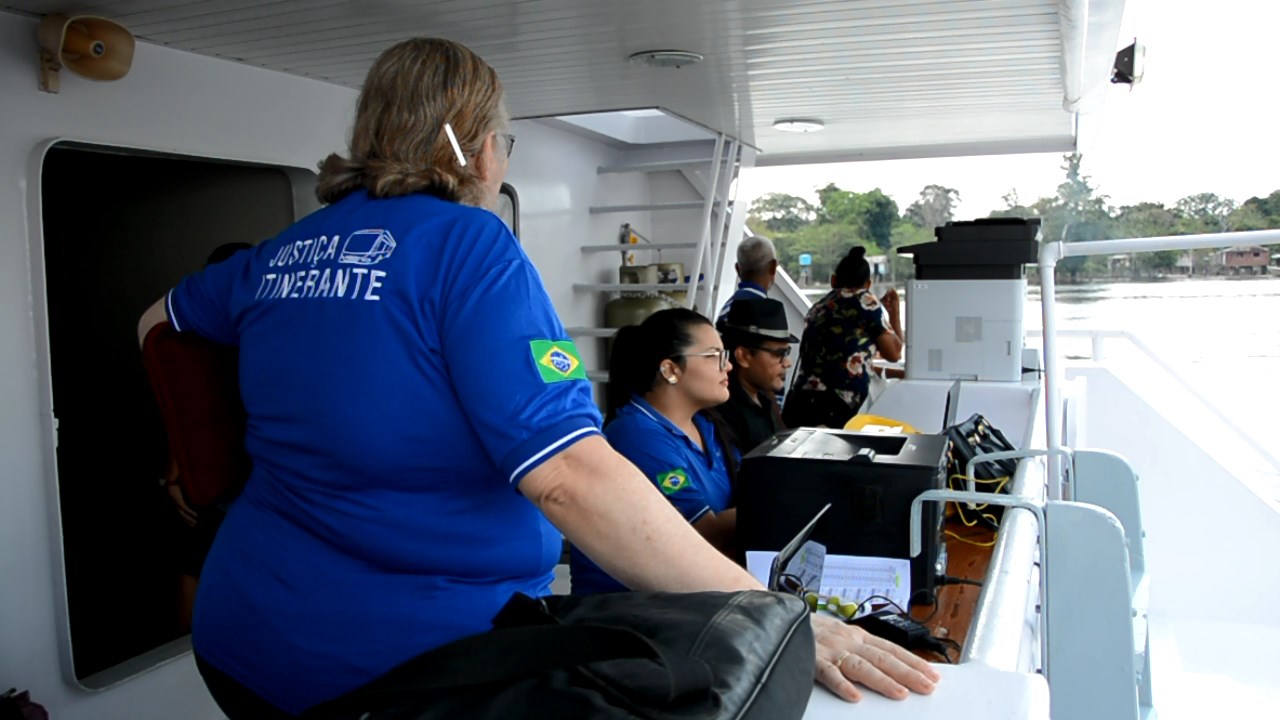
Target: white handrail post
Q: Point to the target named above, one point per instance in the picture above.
(692, 300)
(717, 238)
(1050, 252)
(1081, 248)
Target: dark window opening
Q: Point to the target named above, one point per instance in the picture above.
(120, 229)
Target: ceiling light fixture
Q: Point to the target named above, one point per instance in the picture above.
(665, 58)
(798, 125)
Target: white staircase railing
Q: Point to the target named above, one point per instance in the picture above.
(705, 238)
(718, 233)
(708, 242)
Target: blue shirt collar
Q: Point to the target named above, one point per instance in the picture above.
(639, 403)
(748, 285)
(699, 419)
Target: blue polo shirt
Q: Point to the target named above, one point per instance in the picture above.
(403, 370)
(694, 481)
(747, 290)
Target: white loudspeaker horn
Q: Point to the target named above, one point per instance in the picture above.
(91, 47)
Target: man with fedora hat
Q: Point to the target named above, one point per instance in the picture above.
(756, 335)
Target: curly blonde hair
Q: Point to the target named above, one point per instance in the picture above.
(398, 143)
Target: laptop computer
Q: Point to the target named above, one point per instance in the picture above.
(789, 550)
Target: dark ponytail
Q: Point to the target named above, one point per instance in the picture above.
(638, 351)
(853, 271)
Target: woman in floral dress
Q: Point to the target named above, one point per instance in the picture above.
(842, 332)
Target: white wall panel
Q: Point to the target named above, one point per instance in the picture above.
(555, 174)
(174, 102)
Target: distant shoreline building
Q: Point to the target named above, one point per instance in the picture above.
(1241, 260)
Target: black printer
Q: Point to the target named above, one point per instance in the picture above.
(870, 480)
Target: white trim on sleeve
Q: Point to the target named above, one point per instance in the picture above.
(549, 449)
(699, 515)
(168, 309)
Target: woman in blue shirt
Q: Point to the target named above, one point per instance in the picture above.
(404, 371)
(663, 375)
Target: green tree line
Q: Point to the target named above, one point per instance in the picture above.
(1077, 211)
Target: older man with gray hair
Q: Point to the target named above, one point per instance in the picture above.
(757, 267)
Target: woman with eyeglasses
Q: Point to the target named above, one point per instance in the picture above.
(421, 427)
(663, 375)
(842, 332)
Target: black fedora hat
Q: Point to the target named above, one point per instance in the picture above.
(759, 317)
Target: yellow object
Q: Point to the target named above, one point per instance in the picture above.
(967, 540)
(877, 424)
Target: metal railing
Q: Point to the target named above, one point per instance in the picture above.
(705, 237)
(1097, 339)
(1054, 251)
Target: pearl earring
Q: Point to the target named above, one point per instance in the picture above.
(671, 380)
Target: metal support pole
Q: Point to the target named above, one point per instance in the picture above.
(692, 300)
(1049, 254)
(1202, 241)
(717, 238)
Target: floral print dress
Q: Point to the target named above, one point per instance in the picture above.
(839, 341)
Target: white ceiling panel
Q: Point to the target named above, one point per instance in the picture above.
(905, 77)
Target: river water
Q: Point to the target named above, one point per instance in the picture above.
(1221, 336)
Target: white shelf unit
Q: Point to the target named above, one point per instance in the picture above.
(710, 171)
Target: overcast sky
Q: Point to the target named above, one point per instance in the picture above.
(1204, 119)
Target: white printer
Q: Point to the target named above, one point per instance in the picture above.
(964, 309)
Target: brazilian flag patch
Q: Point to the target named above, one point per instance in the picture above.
(672, 481)
(557, 360)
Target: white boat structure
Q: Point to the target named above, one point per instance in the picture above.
(1159, 602)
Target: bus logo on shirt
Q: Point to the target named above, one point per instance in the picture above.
(557, 360)
(671, 481)
(367, 247)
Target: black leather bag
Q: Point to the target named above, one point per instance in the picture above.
(744, 655)
(969, 439)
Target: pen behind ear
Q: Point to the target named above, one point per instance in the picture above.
(453, 140)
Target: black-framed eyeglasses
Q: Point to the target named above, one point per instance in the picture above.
(780, 353)
(723, 354)
(511, 142)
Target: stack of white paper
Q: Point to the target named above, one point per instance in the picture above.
(853, 578)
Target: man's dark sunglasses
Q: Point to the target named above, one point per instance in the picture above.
(780, 353)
